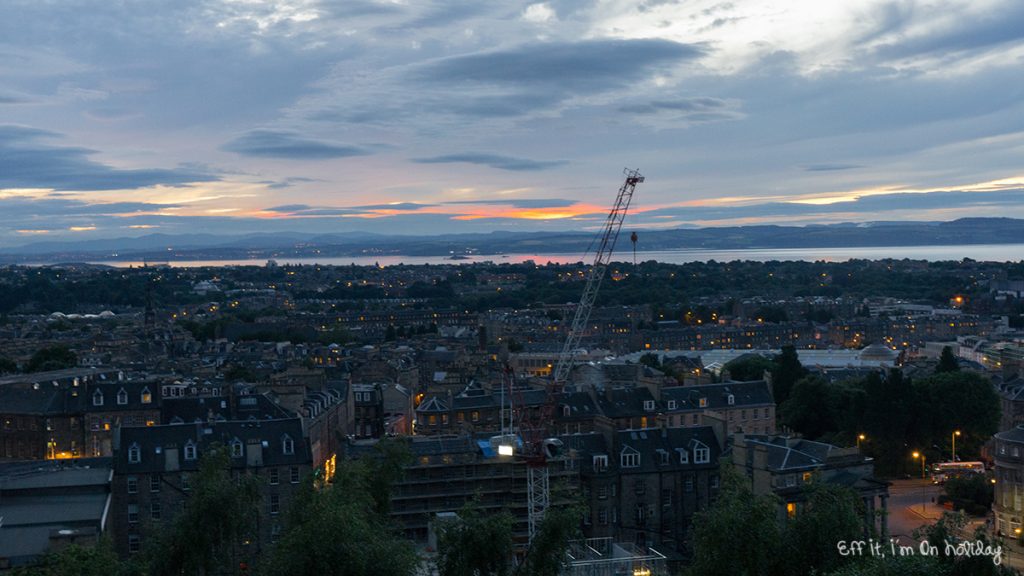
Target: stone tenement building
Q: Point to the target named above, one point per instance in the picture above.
(154, 467)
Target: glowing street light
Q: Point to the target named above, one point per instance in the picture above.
(955, 434)
(860, 438)
(920, 455)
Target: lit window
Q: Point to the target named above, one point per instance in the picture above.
(147, 396)
(791, 509)
(703, 402)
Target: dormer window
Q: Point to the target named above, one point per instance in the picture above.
(236, 448)
(701, 454)
(190, 451)
(97, 398)
(730, 399)
(122, 397)
(684, 455)
(600, 462)
(147, 396)
(664, 457)
(566, 411)
(671, 404)
(703, 403)
(287, 445)
(629, 458)
(134, 454)
(649, 405)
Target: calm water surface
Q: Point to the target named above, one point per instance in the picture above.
(986, 252)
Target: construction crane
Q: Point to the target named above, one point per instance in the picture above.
(538, 450)
(610, 234)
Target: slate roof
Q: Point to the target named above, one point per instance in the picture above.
(753, 393)
(154, 440)
(792, 454)
(199, 409)
(625, 402)
(1012, 435)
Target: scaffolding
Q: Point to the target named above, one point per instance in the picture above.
(603, 557)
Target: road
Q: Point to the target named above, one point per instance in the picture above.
(911, 505)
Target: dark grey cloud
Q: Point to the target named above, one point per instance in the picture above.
(289, 208)
(28, 161)
(585, 66)
(681, 105)
(287, 182)
(992, 29)
(494, 161)
(404, 206)
(830, 167)
(290, 145)
(522, 202)
(307, 210)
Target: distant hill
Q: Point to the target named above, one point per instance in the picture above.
(163, 247)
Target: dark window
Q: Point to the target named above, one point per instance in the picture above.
(133, 484)
(154, 483)
(274, 476)
(295, 474)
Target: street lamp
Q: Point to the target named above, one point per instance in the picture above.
(922, 457)
(923, 460)
(955, 434)
(860, 438)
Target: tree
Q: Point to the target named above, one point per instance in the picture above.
(739, 534)
(831, 514)
(52, 358)
(787, 371)
(972, 493)
(749, 367)
(651, 360)
(337, 529)
(475, 543)
(75, 560)
(7, 365)
(947, 361)
(220, 514)
(546, 555)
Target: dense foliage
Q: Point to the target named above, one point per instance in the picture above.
(897, 415)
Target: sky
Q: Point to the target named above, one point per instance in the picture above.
(420, 117)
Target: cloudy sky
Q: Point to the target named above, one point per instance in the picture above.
(416, 116)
